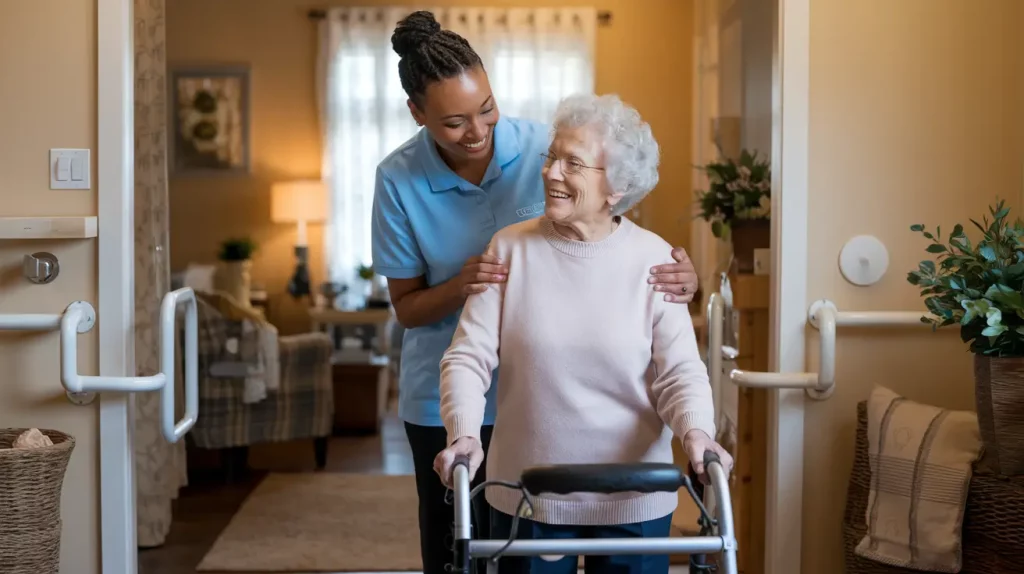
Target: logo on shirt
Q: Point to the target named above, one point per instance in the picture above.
(530, 210)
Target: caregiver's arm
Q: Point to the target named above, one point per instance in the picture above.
(417, 305)
(397, 256)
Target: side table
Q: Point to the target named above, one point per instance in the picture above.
(360, 394)
(361, 377)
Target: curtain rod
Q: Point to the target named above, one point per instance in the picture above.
(604, 17)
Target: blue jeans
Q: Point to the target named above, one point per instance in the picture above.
(501, 526)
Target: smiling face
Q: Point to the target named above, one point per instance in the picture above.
(577, 191)
(460, 113)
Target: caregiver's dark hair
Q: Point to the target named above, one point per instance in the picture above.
(428, 53)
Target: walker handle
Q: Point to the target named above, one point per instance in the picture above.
(710, 456)
(461, 459)
(603, 478)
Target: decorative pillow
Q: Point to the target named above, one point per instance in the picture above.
(921, 463)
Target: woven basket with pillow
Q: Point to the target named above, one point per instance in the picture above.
(993, 524)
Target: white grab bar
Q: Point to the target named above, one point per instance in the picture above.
(33, 322)
(80, 317)
(716, 316)
(824, 316)
(168, 311)
(817, 385)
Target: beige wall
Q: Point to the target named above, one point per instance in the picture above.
(48, 89)
(645, 55)
(915, 111)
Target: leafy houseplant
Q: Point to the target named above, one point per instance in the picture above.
(980, 288)
(233, 275)
(237, 249)
(738, 204)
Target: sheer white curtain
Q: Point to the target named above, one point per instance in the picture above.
(534, 58)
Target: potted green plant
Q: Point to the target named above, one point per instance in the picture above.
(978, 287)
(233, 275)
(738, 204)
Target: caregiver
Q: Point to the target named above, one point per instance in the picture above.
(439, 199)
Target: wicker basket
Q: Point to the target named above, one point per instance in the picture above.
(993, 525)
(999, 391)
(30, 488)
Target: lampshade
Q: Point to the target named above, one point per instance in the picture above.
(303, 201)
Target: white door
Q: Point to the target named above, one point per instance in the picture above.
(63, 101)
(885, 114)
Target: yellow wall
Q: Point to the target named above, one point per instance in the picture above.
(645, 56)
(915, 117)
(48, 90)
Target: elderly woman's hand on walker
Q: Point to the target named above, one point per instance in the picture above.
(695, 443)
(444, 462)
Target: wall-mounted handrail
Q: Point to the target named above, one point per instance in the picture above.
(824, 316)
(867, 318)
(30, 322)
(80, 317)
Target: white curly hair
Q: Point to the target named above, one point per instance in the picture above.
(631, 152)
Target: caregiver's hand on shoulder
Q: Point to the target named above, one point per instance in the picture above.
(478, 272)
(695, 444)
(444, 462)
(677, 280)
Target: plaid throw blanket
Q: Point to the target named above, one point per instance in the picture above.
(238, 345)
(921, 459)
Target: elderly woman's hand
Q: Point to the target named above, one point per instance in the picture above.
(677, 280)
(444, 462)
(695, 443)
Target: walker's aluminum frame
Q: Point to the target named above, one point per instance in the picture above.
(466, 548)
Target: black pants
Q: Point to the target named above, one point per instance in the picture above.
(436, 514)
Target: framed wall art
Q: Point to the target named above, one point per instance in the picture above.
(209, 120)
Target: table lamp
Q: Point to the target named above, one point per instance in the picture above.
(300, 202)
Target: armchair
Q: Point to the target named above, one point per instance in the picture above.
(300, 405)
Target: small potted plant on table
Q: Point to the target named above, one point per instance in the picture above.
(738, 205)
(978, 287)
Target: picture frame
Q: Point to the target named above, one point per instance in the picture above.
(209, 120)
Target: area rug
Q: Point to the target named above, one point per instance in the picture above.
(322, 522)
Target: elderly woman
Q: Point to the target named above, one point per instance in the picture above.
(596, 367)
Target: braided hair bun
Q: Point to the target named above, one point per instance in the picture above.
(428, 54)
(413, 32)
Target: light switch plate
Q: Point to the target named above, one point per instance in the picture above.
(70, 169)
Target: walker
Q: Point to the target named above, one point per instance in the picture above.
(716, 537)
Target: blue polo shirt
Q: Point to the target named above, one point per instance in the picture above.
(428, 221)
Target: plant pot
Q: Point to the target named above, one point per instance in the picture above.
(748, 235)
(999, 392)
(233, 278)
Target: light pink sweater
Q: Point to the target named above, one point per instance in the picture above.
(596, 367)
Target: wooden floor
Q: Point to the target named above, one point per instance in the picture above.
(206, 506)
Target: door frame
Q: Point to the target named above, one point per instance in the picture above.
(790, 150)
(115, 74)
